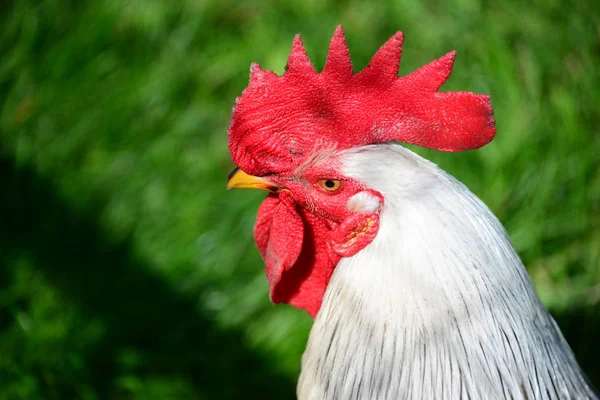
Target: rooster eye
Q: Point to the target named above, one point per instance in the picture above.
(330, 185)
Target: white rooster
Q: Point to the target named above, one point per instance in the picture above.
(416, 290)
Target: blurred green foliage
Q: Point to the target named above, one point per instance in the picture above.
(126, 270)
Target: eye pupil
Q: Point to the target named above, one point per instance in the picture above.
(330, 184)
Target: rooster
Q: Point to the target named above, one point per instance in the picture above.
(416, 290)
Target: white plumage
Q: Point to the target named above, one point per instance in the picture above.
(438, 306)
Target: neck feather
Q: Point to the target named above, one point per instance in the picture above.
(439, 305)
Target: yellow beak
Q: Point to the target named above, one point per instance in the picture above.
(238, 179)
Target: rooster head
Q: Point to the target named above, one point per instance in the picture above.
(288, 133)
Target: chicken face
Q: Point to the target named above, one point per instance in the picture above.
(312, 217)
(287, 134)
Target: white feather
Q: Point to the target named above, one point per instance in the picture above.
(438, 306)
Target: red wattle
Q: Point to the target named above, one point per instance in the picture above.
(293, 244)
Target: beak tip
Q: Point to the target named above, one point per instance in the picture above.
(238, 179)
(231, 174)
(229, 185)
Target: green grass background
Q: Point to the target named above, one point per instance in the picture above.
(127, 271)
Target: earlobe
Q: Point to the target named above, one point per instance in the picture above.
(365, 202)
(361, 227)
(354, 234)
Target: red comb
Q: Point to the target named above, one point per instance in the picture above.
(280, 120)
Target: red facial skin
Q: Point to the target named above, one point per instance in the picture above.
(303, 231)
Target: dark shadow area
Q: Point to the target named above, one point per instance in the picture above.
(581, 328)
(140, 310)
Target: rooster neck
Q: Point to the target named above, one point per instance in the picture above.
(437, 306)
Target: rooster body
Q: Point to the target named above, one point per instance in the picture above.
(416, 290)
(438, 306)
